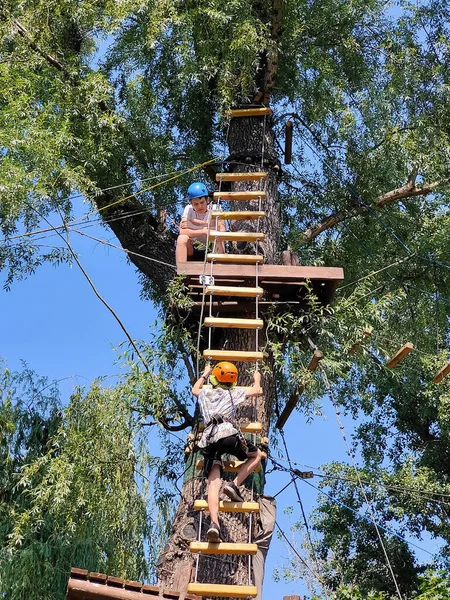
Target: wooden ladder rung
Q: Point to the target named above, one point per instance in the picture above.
(238, 215)
(236, 236)
(253, 176)
(221, 589)
(239, 507)
(442, 373)
(253, 195)
(249, 112)
(229, 466)
(226, 290)
(233, 355)
(230, 323)
(252, 428)
(223, 548)
(241, 259)
(398, 356)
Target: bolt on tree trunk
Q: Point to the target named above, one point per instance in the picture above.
(251, 147)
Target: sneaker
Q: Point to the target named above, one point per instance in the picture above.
(231, 490)
(213, 534)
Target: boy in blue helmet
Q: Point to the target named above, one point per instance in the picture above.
(194, 224)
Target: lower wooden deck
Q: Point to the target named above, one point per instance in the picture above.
(281, 284)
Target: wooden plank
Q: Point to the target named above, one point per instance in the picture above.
(253, 176)
(223, 548)
(277, 273)
(293, 399)
(442, 373)
(229, 466)
(247, 259)
(115, 581)
(220, 589)
(366, 333)
(238, 507)
(233, 355)
(314, 362)
(237, 236)
(87, 590)
(150, 589)
(227, 290)
(101, 578)
(398, 356)
(240, 196)
(252, 428)
(79, 573)
(135, 586)
(230, 323)
(249, 112)
(238, 215)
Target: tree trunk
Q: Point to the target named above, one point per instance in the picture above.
(176, 566)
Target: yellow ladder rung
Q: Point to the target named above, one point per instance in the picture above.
(229, 466)
(254, 176)
(230, 323)
(241, 259)
(223, 548)
(240, 507)
(238, 215)
(240, 195)
(233, 355)
(237, 236)
(220, 589)
(252, 428)
(226, 290)
(250, 112)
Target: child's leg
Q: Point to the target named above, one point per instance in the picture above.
(184, 248)
(214, 483)
(248, 467)
(220, 245)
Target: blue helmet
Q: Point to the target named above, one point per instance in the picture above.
(197, 190)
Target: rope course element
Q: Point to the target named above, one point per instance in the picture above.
(360, 484)
(99, 210)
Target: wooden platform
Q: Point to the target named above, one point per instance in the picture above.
(280, 283)
(83, 585)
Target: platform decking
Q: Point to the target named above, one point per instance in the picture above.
(280, 283)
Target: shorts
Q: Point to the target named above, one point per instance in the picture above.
(232, 444)
(198, 255)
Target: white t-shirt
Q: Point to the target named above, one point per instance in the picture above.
(218, 401)
(189, 213)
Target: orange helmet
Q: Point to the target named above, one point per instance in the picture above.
(225, 372)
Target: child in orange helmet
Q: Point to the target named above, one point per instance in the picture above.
(222, 436)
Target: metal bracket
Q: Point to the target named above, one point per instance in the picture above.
(206, 279)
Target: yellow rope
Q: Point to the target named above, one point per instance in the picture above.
(152, 187)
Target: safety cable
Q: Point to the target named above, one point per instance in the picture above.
(370, 520)
(99, 210)
(359, 198)
(301, 559)
(352, 458)
(305, 520)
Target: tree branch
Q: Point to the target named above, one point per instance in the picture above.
(408, 190)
